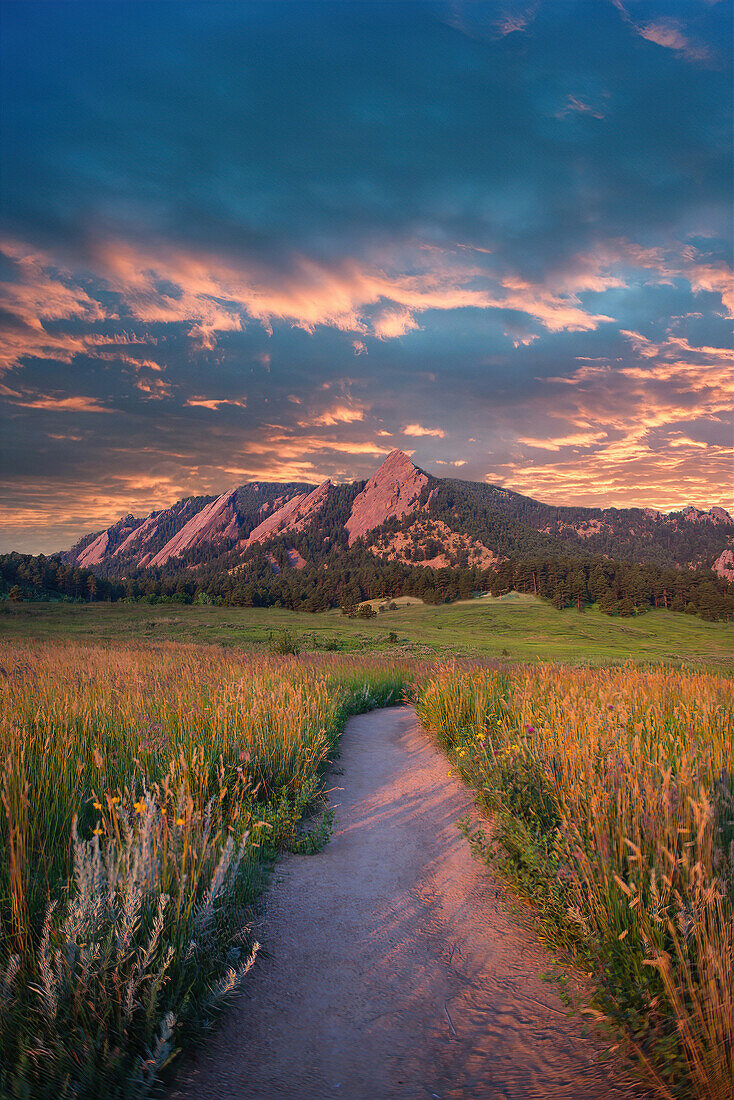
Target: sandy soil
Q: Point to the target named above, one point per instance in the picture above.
(395, 967)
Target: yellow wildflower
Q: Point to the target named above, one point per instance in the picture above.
(179, 821)
(139, 807)
(97, 832)
(97, 805)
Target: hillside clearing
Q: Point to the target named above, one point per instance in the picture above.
(514, 627)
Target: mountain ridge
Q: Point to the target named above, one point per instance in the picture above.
(400, 513)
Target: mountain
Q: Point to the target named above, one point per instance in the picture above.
(402, 515)
(293, 515)
(394, 490)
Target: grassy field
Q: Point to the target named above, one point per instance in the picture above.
(612, 794)
(144, 789)
(154, 761)
(517, 628)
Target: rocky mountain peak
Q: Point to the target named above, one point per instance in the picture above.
(393, 490)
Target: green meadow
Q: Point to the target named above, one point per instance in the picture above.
(514, 627)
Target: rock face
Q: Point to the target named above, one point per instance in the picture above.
(724, 565)
(106, 542)
(140, 535)
(392, 491)
(437, 522)
(296, 514)
(714, 515)
(93, 554)
(216, 521)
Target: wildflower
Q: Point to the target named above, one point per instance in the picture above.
(179, 821)
(139, 807)
(115, 799)
(530, 729)
(97, 831)
(97, 805)
(163, 809)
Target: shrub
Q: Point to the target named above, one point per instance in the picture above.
(284, 643)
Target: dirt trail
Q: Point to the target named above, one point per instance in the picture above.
(395, 967)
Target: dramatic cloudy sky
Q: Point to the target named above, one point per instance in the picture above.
(275, 240)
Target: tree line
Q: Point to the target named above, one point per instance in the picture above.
(356, 575)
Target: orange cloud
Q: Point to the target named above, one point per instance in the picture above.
(383, 296)
(57, 404)
(337, 414)
(418, 430)
(637, 428)
(215, 403)
(154, 389)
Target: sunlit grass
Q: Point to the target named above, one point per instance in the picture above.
(144, 788)
(613, 796)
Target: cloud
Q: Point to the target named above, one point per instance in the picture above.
(429, 208)
(419, 430)
(337, 414)
(154, 389)
(214, 403)
(78, 404)
(166, 285)
(667, 33)
(391, 323)
(637, 427)
(576, 105)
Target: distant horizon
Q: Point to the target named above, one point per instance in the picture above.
(273, 241)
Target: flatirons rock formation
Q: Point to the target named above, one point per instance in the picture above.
(724, 565)
(101, 546)
(296, 514)
(215, 522)
(391, 492)
(401, 514)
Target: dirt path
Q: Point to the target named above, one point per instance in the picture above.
(395, 968)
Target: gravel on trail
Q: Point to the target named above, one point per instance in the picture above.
(395, 966)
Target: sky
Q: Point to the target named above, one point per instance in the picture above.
(273, 241)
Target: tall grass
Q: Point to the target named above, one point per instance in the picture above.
(613, 799)
(143, 790)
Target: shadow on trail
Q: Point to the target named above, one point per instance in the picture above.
(396, 968)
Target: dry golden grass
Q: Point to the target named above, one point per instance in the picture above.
(143, 789)
(614, 795)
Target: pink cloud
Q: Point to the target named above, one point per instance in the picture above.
(215, 403)
(419, 430)
(154, 389)
(336, 414)
(636, 426)
(576, 105)
(59, 404)
(665, 32)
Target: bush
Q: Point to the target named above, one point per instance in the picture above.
(283, 644)
(366, 611)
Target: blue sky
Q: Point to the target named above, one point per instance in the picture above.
(275, 240)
